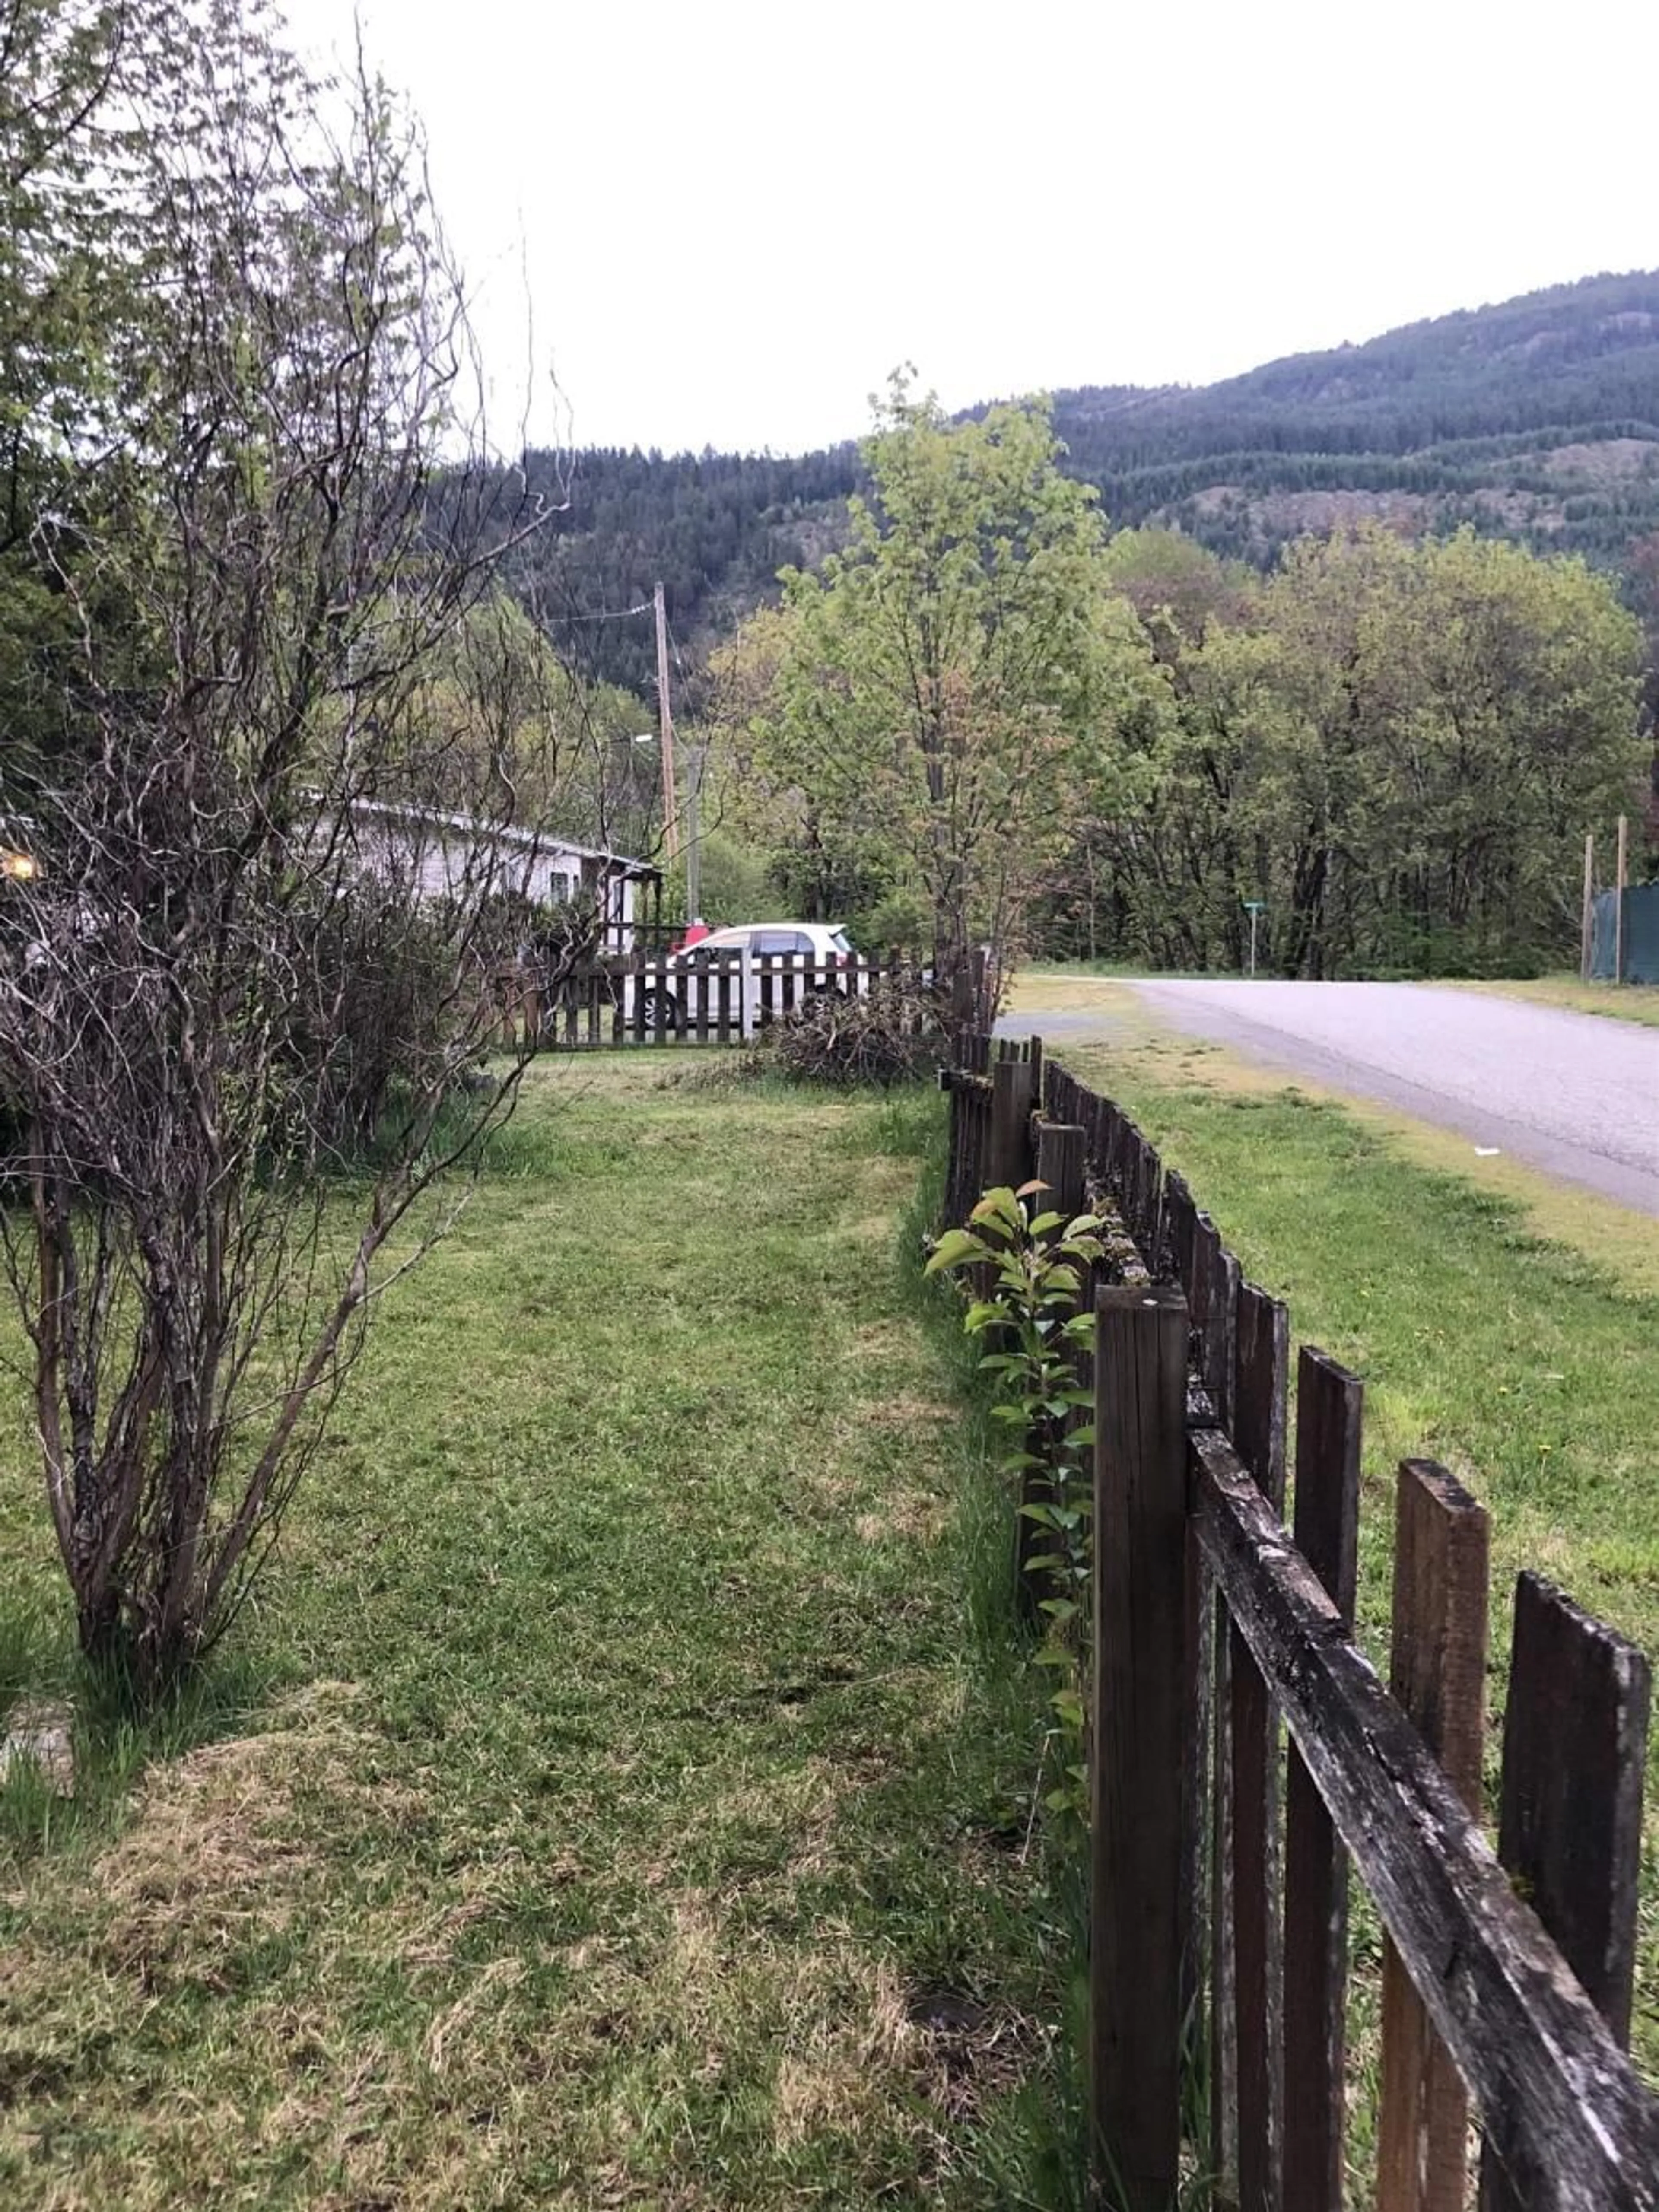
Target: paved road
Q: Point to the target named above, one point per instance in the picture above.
(1574, 1094)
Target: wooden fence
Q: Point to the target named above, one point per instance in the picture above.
(1244, 1755)
(723, 1000)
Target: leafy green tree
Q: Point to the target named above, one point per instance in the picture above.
(1397, 746)
(933, 694)
(1459, 711)
(65, 242)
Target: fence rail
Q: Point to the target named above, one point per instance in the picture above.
(1245, 1754)
(722, 1000)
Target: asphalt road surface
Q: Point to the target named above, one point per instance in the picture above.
(1574, 1094)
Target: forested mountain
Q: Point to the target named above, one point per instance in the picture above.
(1537, 419)
(714, 528)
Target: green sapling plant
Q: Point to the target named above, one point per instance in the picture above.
(1025, 1270)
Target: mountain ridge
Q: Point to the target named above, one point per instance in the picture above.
(1536, 418)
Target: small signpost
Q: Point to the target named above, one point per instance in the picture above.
(1255, 909)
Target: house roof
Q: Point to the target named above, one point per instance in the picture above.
(507, 833)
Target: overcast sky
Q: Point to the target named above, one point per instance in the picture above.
(723, 223)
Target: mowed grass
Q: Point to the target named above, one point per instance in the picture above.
(1523, 1361)
(620, 1795)
(1625, 1002)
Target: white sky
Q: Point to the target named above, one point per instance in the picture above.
(731, 220)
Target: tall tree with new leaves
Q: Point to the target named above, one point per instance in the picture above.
(938, 688)
(1398, 747)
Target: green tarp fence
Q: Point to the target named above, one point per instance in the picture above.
(1641, 961)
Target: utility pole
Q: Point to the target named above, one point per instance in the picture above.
(695, 755)
(670, 825)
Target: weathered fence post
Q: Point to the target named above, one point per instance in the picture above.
(698, 981)
(1212, 1284)
(746, 991)
(1011, 1118)
(1179, 1227)
(638, 969)
(1328, 1401)
(1060, 1166)
(1140, 1610)
(1262, 1362)
(1570, 1823)
(1439, 1676)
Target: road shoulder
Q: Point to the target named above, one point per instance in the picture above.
(1113, 1033)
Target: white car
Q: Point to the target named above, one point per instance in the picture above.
(811, 944)
(798, 958)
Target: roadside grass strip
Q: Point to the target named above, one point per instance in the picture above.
(1522, 1359)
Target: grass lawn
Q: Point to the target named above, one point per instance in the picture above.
(1625, 1002)
(1506, 1328)
(620, 1795)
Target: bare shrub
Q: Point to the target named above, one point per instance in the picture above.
(887, 1035)
(230, 963)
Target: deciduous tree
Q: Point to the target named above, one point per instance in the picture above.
(1398, 746)
(932, 696)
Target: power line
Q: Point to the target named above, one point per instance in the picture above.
(600, 614)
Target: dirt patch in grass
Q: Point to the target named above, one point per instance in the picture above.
(971, 2050)
(911, 1516)
(217, 1853)
(879, 1341)
(907, 1414)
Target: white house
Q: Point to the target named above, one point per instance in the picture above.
(459, 856)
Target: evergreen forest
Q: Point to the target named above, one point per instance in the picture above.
(1536, 420)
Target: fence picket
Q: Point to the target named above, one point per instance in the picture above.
(1213, 1292)
(1569, 1820)
(1224, 2009)
(1199, 1606)
(1059, 1164)
(1438, 1668)
(638, 979)
(1262, 1362)
(1012, 1087)
(1141, 1481)
(1328, 1406)
(1181, 1215)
